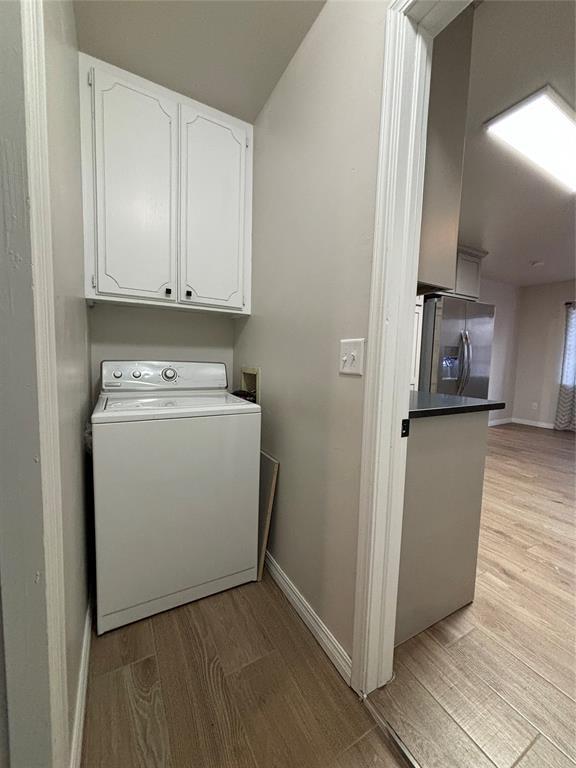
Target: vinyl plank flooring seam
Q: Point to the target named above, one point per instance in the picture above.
(451, 717)
(509, 648)
(528, 748)
(127, 666)
(375, 749)
(218, 736)
(358, 739)
(540, 734)
(456, 723)
(547, 744)
(545, 735)
(498, 696)
(447, 646)
(248, 663)
(145, 718)
(123, 645)
(248, 740)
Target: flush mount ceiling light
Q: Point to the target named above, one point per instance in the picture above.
(541, 127)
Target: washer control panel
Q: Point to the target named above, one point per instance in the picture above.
(138, 375)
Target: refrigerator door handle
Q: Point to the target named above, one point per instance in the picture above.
(468, 341)
(463, 360)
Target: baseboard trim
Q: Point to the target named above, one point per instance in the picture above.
(499, 422)
(528, 423)
(325, 638)
(80, 711)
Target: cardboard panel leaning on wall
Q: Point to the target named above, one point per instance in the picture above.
(541, 319)
(316, 153)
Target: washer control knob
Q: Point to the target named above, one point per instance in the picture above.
(117, 374)
(169, 374)
(136, 374)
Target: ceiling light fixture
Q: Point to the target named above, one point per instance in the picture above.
(541, 127)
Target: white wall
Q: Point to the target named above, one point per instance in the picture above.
(21, 510)
(316, 150)
(147, 333)
(541, 319)
(503, 365)
(71, 314)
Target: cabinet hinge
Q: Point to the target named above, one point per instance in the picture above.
(90, 77)
(93, 281)
(247, 142)
(405, 428)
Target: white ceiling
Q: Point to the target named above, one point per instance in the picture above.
(228, 54)
(510, 209)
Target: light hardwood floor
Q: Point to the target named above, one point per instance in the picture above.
(493, 684)
(232, 681)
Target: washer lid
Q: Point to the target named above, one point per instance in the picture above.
(118, 408)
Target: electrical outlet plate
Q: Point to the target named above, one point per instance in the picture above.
(352, 356)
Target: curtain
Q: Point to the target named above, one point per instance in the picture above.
(566, 410)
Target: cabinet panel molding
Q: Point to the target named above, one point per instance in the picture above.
(136, 189)
(213, 172)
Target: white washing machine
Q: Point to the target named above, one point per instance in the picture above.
(176, 474)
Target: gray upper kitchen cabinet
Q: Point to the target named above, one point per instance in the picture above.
(167, 187)
(445, 153)
(468, 266)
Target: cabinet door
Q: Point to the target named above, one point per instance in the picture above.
(213, 202)
(136, 186)
(445, 153)
(480, 333)
(467, 276)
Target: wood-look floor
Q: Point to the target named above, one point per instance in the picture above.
(232, 681)
(493, 684)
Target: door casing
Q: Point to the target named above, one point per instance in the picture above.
(411, 26)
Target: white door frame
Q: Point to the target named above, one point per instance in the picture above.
(411, 26)
(34, 67)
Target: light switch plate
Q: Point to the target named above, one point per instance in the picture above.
(352, 356)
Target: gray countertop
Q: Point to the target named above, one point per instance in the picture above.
(424, 404)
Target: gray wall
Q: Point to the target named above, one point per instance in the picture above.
(316, 152)
(21, 513)
(541, 323)
(505, 298)
(147, 333)
(71, 314)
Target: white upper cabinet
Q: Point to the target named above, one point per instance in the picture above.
(212, 237)
(136, 189)
(167, 186)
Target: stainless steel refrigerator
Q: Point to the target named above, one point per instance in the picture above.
(456, 346)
